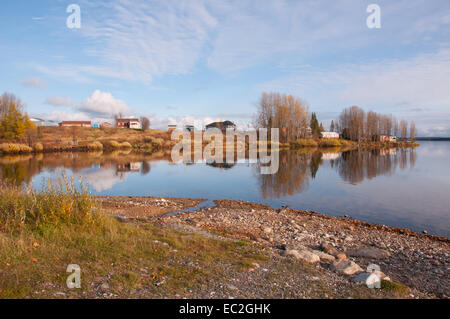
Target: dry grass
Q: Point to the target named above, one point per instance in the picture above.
(11, 148)
(95, 146)
(38, 147)
(41, 233)
(300, 143)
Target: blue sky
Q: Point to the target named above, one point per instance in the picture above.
(195, 61)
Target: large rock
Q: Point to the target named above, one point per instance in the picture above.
(370, 252)
(346, 267)
(303, 255)
(323, 256)
(327, 248)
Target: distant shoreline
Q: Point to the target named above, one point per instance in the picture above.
(433, 139)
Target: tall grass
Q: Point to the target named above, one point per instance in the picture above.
(95, 146)
(41, 232)
(25, 209)
(38, 147)
(116, 145)
(11, 148)
(304, 143)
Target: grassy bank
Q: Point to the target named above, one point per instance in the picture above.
(77, 139)
(340, 143)
(41, 233)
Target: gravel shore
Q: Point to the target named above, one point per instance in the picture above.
(339, 250)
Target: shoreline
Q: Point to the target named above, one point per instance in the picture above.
(192, 203)
(417, 261)
(135, 247)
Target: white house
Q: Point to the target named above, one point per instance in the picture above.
(37, 122)
(386, 138)
(333, 135)
(129, 123)
(330, 156)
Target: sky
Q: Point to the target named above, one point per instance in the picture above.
(198, 61)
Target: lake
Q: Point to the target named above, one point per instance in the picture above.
(402, 188)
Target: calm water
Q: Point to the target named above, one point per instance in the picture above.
(403, 188)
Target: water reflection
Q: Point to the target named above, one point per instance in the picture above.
(296, 170)
(356, 166)
(292, 177)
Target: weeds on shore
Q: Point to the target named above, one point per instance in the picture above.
(300, 143)
(42, 232)
(12, 148)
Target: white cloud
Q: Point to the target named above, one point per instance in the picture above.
(34, 82)
(58, 116)
(402, 87)
(60, 101)
(99, 107)
(103, 103)
(137, 40)
(101, 180)
(199, 122)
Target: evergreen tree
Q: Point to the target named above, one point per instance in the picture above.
(315, 127)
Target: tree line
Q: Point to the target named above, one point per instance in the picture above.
(291, 115)
(286, 112)
(357, 125)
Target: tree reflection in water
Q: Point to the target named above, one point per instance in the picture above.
(298, 168)
(356, 166)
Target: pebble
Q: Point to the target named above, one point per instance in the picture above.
(104, 287)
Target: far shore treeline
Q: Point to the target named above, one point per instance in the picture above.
(292, 115)
(299, 127)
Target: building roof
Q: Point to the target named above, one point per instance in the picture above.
(127, 120)
(76, 122)
(221, 124)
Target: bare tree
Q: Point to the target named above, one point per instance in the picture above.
(286, 112)
(372, 126)
(351, 122)
(8, 99)
(412, 128)
(145, 122)
(356, 125)
(403, 129)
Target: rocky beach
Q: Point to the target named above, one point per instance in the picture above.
(307, 254)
